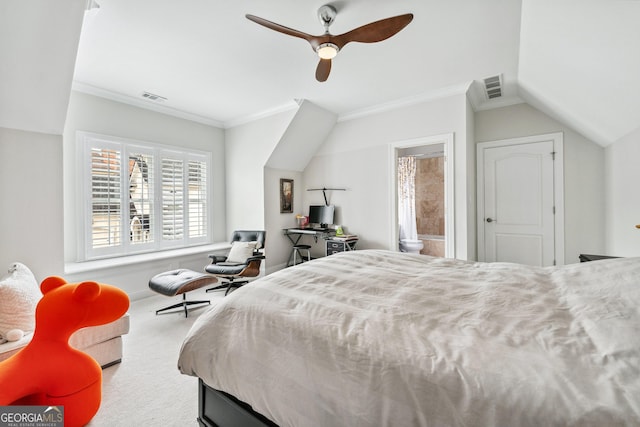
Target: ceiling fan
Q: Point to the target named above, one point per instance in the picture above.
(328, 45)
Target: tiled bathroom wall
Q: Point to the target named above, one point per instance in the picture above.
(430, 204)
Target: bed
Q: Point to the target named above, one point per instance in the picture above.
(381, 338)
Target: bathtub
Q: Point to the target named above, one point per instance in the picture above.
(433, 244)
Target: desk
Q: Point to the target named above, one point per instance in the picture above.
(295, 234)
(315, 232)
(334, 245)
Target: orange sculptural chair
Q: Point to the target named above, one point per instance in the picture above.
(48, 371)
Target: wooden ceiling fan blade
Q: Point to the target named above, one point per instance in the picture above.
(375, 31)
(323, 70)
(279, 28)
(328, 45)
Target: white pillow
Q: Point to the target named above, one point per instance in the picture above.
(19, 295)
(240, 251)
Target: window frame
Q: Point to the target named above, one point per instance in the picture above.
(86, 142)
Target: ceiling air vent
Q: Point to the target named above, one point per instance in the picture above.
(493, 87)
(153, 97)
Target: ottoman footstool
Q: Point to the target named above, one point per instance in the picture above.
(181, 281)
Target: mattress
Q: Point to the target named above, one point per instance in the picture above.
(381, 338)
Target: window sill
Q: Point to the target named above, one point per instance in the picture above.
(81, 267)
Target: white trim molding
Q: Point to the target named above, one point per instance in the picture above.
(558, 190)
(448, 141)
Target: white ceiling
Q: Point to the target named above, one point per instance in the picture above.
(576, 60)
(580, 62)
(207, 59)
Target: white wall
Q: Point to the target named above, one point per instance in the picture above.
(38, 44)
(356, 156)
(248, 148)
(279, 246)
(31, 192)
(99, 115)
(362, 209)
(584, 178)
(622, 166)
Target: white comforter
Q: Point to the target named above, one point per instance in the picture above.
(379, 338)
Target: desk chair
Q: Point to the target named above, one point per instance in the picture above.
(297, 251)
(243, 260)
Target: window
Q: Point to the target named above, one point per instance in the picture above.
(141, 197)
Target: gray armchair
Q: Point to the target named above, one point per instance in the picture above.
(243, 261)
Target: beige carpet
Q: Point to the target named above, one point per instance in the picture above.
(147, 388)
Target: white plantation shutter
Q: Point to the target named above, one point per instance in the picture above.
(106, 197)
(141, 197)
(172, 199)
(197, 196)
(141, 200)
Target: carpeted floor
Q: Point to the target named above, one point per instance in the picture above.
(147, 388)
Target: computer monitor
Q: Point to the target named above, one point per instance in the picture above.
(321, 214)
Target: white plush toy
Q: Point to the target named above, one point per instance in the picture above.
(19, 295)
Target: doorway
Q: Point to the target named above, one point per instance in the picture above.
(425, 223)
(520, 199)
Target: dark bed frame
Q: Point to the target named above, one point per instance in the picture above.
(219, 409)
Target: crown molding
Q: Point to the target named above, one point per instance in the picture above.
(464, 88)
(405, 102)
(492, 104)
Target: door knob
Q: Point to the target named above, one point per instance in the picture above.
(490, 219)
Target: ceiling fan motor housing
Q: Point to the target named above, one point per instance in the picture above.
(327, 14)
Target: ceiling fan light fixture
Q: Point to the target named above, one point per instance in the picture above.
(328, 45)
(327, 50)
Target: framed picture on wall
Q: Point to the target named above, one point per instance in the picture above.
(286, 195)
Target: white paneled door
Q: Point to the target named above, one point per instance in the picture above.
(517, 201)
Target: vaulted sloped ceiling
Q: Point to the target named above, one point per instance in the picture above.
(305, 133)
(575, 60)
(207, 59)
(580, 63)
(38, 46)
